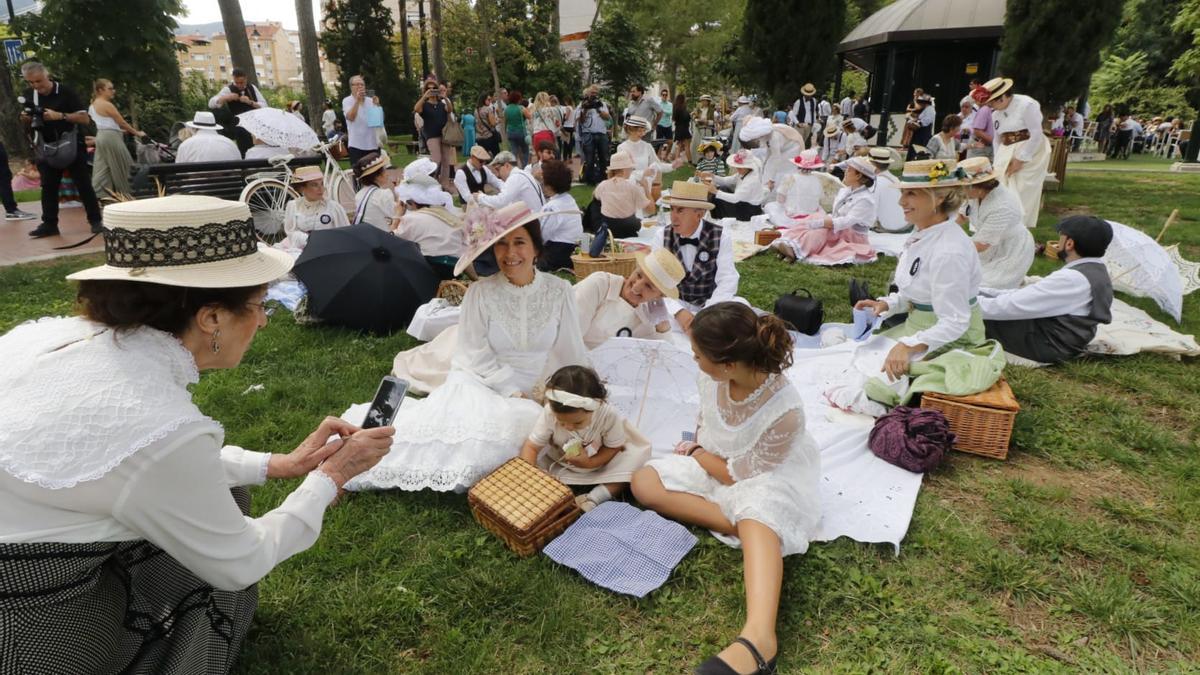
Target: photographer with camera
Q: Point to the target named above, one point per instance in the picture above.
(234, 99)
(591, 117)
(54, 113)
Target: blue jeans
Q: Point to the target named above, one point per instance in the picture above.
(594, 149)
(519, 147)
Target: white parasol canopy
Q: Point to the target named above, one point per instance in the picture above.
(653, 385)
(1189, 272)
(279, 128)
(1140, 266)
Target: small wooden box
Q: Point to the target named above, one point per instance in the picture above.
(982, 423)
(523, 505)
(765, 237)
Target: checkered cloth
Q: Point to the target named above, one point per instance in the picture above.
(622, 548)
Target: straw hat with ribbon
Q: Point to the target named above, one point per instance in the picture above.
(888, 157)
(378, 164)
(307, 174)
(976, 170)
(808, 160)
(832, 130)
(483, 227)
(931, 173)
(996, 87)
(204, 120)
(619, 161)
(808, 89)
(688, 195)
(637, 122)
(663, 270)
(185, 240)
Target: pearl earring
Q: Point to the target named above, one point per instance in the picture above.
(216, 344)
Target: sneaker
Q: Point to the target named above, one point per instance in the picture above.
(44, 230)
(18, 214)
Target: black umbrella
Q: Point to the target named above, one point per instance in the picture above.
(362, 277)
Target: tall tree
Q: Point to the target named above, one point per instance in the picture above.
(1187, 67)
(235, 34)
(614, 61)
(310, 62)
(781, 48)
(687, 53)
(1051, 59)
(358, 38)
(407, 72)
(435, 18)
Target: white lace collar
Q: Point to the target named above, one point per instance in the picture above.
(79, 398)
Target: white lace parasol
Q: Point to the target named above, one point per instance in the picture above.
(1189, 272)
(653, 385)
(1139, 266)
(278, 128)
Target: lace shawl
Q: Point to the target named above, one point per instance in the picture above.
(77, 398)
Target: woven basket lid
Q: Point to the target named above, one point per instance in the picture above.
(520, 494)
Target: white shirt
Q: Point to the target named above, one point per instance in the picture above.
(928, 116)
(174, 493)
(215, 102)
(431, 233)
(727, 274)
(645, 162)
(748, 188)
(207, 145)
(520, 187)
(887, 198)
(998, 221)
(460, 179)
(938, 267)
(327, 120)
(854, 208)
(566, 228)
(301, 215)
(804, 111)
(826, 109)
(379, 208)
(360, 136)
(847, 107)
(1022, 113)
(852, 142)
(1066, 292)
(260, 151)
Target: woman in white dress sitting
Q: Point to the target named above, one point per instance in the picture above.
(516, 328)
(1005, 246)
(741, 195)
(608, 305)
(647, 168)
(799, 194)
(374, 204)
(751, 476)
(312, 211)
(841, 236)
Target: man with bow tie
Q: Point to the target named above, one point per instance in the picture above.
(704, 248)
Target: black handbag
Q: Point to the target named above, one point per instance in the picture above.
(805, 314)
(859, 290)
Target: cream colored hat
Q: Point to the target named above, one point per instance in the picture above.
(754, 128)
(976, 170)
(480, 154)
(931, 173)
(204, 120)
(663, 270)
(185, 240)
(996, 87)
(863, 166)
(808, 89)
(885, 155)
(620, 160)
(688, 195)
(742, 159)
(637, 122)
(306, 174)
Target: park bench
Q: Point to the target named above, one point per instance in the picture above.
(215, 179)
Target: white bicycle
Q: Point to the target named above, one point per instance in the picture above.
(267, 193)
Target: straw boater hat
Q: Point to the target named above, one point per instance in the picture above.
(996, 87)
(808, 160)
(480, 154)
(379, 163)
(483, 227)
(688, 195)
(976, 170)
(620, 160)
(931, 173)
(637, 122)
(204, 120)
(185, 240)
(808, 89)
(832, 130)
(706, 97)
(742, 159)
(886, 156)
(663, 270)
(307, 174)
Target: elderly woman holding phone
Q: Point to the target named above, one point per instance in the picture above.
(122, 546)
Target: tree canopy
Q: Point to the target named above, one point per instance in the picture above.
(783, 47)
(615, 61)
(358, 38)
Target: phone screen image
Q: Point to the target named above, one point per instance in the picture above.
(386, 403)
(689, 436)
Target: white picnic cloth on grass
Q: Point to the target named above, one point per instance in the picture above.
(888, 243)
(432, 318)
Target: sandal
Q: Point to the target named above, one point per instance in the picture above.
(715, 666)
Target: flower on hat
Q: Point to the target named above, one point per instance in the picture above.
(980, 94)
(741, 156)
(937, 172)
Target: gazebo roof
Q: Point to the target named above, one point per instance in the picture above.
(925, 20)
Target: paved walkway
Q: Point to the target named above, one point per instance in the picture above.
(17, 247)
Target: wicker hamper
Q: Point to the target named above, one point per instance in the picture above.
(452, 291)
(982, 423)
(764, 237)
(523, 505)
(620, 264)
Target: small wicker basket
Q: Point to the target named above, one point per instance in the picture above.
(452, 291)
(982, 423)
(764, 237)
(523, 505)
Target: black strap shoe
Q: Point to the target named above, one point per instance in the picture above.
(715, 666)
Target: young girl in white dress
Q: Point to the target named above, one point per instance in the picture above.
(582, 440)
(375, 204)
(799, 194)
(516, 327)
(311, 212)
(752, 474)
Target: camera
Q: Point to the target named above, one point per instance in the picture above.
(591, 103)
(35, 112)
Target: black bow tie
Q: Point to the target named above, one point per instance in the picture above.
(684, 241)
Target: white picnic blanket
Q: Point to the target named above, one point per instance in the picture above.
(742, 231)
(888, 243)
(1133, 330)
(862, 496)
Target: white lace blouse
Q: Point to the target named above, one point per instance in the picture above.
(999, 221)
(301, 215)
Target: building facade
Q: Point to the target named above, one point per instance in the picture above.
(276, 54)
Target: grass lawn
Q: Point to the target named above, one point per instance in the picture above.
(1079, 553)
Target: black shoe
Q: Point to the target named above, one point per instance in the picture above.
(97, 228)
(43, 231)
(715, 666)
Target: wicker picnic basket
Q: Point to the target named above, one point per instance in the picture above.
(523, 505)
(764, 237)
(982, 423)
(1052, 249)
(616, 261)
(452, 291)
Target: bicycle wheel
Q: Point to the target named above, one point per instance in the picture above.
(341, 191)
(267, 199)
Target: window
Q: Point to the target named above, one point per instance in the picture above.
(199, 57)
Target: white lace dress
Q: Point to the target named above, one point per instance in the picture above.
(774, 463)
(510, 339)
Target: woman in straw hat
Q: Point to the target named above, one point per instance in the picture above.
(1005, 246)
(312, 211)
(374, 204)
(741, 195)
(609, 306)
(122, 548)
(1022, 150)
(937, 280)
(516, 328)
(841, 236)
(647, 168)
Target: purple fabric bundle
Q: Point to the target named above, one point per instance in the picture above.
(912, 438)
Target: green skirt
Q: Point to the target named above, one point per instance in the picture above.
(969, 365)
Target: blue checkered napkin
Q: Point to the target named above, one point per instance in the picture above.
(622, 548)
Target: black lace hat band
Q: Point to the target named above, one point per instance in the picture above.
(152, 247)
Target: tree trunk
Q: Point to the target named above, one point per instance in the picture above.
(435, 16)
(587, 66)
(239, 43)
(404, 38)
(310, 64)
(11, 133)
(485, 19)
(424, 44)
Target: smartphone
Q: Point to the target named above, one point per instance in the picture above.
(386, 403)
(370, 93)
